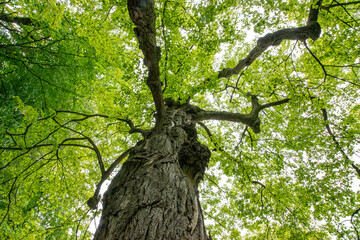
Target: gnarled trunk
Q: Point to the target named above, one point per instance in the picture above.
(155, 195)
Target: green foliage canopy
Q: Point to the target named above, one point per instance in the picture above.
(73, 95)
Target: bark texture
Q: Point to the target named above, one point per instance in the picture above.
(142, 13)
(155, 194)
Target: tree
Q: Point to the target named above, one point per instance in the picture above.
(264, 134)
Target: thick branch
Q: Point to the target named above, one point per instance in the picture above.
(273, 104)
(133, 128)
(142, 13)
(311, 30)
(246, 119)
(18, 20)
(251, 120)
(314, 12)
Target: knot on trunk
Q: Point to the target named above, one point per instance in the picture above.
(93, 201)
(193, 159)
(190, 131)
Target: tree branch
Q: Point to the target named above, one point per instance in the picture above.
(352, 223)
(17, 20)
(328, 129)
(273, 104)
(311, 30)
(207, 130)
(9, 201)
(320, 63)
(228, 116)
(133, 128)
(94, 200)
(84, 137)
(142, 13)
(327, 7)
(251, 120)
(314, 12)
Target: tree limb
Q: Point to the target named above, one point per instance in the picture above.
(311, 30)
(207, 130)
(17, 20)
(133, 128)
(251, 120)
(142, 13)
(328, 129)
(94, 200)
(327, 7)
(273, 104)
(228, 116)
(314, 12)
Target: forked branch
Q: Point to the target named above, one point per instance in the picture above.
(251, 120)
(133, 128)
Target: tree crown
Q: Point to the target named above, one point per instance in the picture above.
(83, 81)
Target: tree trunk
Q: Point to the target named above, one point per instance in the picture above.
(155, 194)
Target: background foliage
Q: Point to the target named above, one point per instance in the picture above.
(71, 75)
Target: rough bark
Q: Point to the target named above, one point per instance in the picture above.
(155, 194)
(142, 13)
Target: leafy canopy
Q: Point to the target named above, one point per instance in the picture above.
(73, 83)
